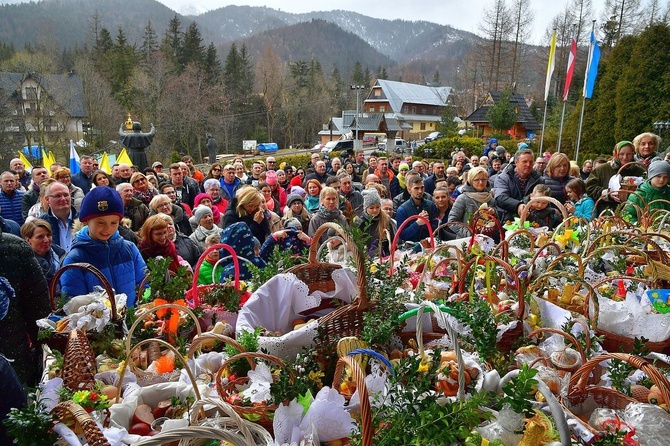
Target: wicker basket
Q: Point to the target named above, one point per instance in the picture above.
(549, 200)
(226, 389)
(79, 366)
(71, 413)
(440, 268)
(359, 378)
(196, 293)
(58, 340)
(195, 436)
(511, 335)
(580, 390)
(537, 286)
(627, 189)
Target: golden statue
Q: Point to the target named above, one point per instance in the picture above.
(129, 123)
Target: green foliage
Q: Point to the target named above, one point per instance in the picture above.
(249, 341)
(443, 147)
(223, 295)
(31, 425)
(519, 392)
(447, 125)
(502, 115)
(279, 262)
(300, 377)
(619, 371)
(478, 315)
(163, 285)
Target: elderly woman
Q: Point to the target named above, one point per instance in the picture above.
(206, 226)
(62, 175)
(598, 183)
(557, 175)
(38, 234)
(476, 192)
(248, 206)
(206, 200)
(213, 189)
(646, 148)
(142, 189)
(163, 204)
(155, 241)
(186, 247)
(133, 208)
(329, 211)
(101, 178)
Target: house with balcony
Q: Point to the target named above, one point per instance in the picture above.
(414, 109)
(42, 109)
(525, 128)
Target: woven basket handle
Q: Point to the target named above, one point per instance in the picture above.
(508, 269)
(452, 335)
(439, 248)
(202, 432)
(351, 245)
(193, 292)
(70, 409)
(483, 215)
(88, 268)
(568, 255)
(535, 288)
(527, 207)
(226, 410)
(209, 336)
(364, 397)
(567, 336)
(396, 238)
(632, 163)
(579, 379)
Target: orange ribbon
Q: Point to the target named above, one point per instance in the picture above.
(173, 321)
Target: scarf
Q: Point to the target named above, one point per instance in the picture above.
(270, 204)
(328, 215)
(401, 180)
(481, 197)
(202, 232)
(151, 250)
(145, 197)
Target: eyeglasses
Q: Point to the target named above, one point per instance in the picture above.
(163, 205)
(272, 162)
(58, 196)
(216, 170)
(140, 180)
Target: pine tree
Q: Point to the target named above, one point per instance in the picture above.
(436, 79)
(172, 43)
(502, 115)
(192, 50)
(212, 66)
(149, 43)
(358, 77)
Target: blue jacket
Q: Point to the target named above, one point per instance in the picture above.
(228, 190)
(10, 227)
(119, 261)
(11, 206)
(414, 232)
(584, 207)
(83, 182)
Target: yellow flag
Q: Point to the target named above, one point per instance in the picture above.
(123, 158)
(52, 157)
(104, 163)
(550, 65)
(46, 161)
(25, 161)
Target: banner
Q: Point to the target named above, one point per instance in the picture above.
(123, 158)
(550, 65)
(24, 160)
(104, 163)
(571, 69)
(74, 159)
(591, 68)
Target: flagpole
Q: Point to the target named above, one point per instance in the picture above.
(544, 122)
(581, 115)
(560, 131)
(567, 87)
(547, 84)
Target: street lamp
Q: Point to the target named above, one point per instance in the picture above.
(358, 89)
(660, 126)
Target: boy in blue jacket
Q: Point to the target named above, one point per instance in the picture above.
(100, 244)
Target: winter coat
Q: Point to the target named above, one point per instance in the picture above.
(228, 190)
(187, 249)
(119, 261)
(10, 207)
(508, 195)
(82, 181)
(137, 212)
(30, 303)
(648, 193)
(259, 230)
(51, 261)
(584, 207)
(557, 186)
(464, 208)
(599, 180)
(414, 232)
(205, 273)
(291, 243)
(77, 196)
(55, 227)
(318, 220)
(370, 225)
(312, 204)
(548, 217)
(10, 227)
(29, 199)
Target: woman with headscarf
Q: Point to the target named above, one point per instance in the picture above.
(248, 206)
(203, 215)
(155, 242)
(556, 176)
(598, 183)
(239, 237)
(476, 192)
(38, 234)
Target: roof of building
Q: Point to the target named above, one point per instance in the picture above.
(525, 116)
(399, 93)
(67, 90)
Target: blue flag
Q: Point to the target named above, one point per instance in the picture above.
(591, 67)
(74, 159)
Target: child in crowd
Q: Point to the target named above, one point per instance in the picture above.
(376, 224)
(541, 214)
(653, 189)
(100, 244)
(580, 204)
(206, 267)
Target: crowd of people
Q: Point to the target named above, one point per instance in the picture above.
(118, 222)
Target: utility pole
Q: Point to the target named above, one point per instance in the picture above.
(358, 89)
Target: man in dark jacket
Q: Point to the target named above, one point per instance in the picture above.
(514, 184)
(32, 194)
(319, 174)
(438, 174)
(185, 191)
(60, 215)
(416, 205)
(82, 179)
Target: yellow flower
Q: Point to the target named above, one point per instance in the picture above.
(564, 238)
(315, 377)
(424, 366)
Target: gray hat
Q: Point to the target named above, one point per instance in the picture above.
(200, 212)
(370, 198)
(292, 223)
(293, 198)
(658, 168)
(500, 151)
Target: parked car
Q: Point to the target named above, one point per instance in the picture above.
(338, 146)
(433, 136)
(400, 145)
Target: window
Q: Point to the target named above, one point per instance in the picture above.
(423, 126)
(414, 110)
(31, 93)
(377, 92)
(405, 109)
(423, 110)
(372, 109)
(382, 109)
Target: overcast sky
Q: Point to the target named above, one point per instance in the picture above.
(460, 14)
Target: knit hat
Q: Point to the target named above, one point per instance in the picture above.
(500, 151)
(271, 177)
(298, 191)
(100, 202)
(370, 198)
(293, 198)
(200, 212)
(658, 168)
(199, 197)
(292, 223)
(279, 172)
(403, 166)
(493, 141)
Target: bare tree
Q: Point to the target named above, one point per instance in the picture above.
(523, 16)
(582, 13)
(620, 17)
(496, 29)
(270, 82)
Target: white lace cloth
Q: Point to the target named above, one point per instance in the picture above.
(281, 300)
